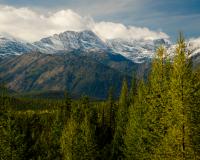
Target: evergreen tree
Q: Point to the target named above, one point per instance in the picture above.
(158, 102)
(111, 106)
(68, 104)
(12, 143)
(195, 115)
(121, 121)
(77, 140)
(68, 140)
(133, 89)
(146, 127)
(136, 136)
(87, 137)
(177, 141)
(65, 109)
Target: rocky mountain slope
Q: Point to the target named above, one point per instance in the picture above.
(79, 62)
(138, 51)
(79, 74)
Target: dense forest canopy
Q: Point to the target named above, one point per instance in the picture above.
(155, 118)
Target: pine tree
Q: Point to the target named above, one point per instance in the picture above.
(195, 115)
(68, 105)
(158, 101)
(136, 135)
(68, 140)
(87, 136)
(111, 109)
(177, 141)
(121, 121)
(3, 97)
(133, 90)
(77, 140)
(65, 109)
(146, 127)
(12, 143)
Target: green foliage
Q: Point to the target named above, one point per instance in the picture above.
(177, 141)
(68, 140)
(77, 141)
(135, 139)
(121, 121)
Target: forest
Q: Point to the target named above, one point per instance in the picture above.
(154, 118)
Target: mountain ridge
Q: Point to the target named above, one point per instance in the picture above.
(137, 50)
(85, 41)
(79, 62)
(76, 73)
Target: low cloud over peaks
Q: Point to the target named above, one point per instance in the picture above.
(109, 30)
(30, 25)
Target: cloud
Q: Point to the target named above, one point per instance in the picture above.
(30, 25)
(111, 30)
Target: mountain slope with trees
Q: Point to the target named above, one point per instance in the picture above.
(79, 74)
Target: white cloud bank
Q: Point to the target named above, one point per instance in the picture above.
(30, 25)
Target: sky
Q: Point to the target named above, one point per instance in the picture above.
(34, 19)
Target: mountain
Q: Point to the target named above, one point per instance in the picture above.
(79, 62)
(138, 51)
(12, 46)
(194, 46)
(85, 42)
(69, 41)
(76, 73)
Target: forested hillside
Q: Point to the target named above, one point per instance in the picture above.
(155, 118)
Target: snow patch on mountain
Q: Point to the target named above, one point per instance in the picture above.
(137, 50)
(194, 46)
(70, 40)
(12, 46)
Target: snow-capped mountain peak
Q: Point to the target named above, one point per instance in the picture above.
(70, 40)
(137, 50)
(11, 46)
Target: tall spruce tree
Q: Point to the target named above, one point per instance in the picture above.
(136, 135)
(68, 140)
(67, 105)
(111, 106)
(87, 138)
(195, 115)
(146, 127)
(158, 102)
(121, 121)
(177, 141)
(132, 91)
